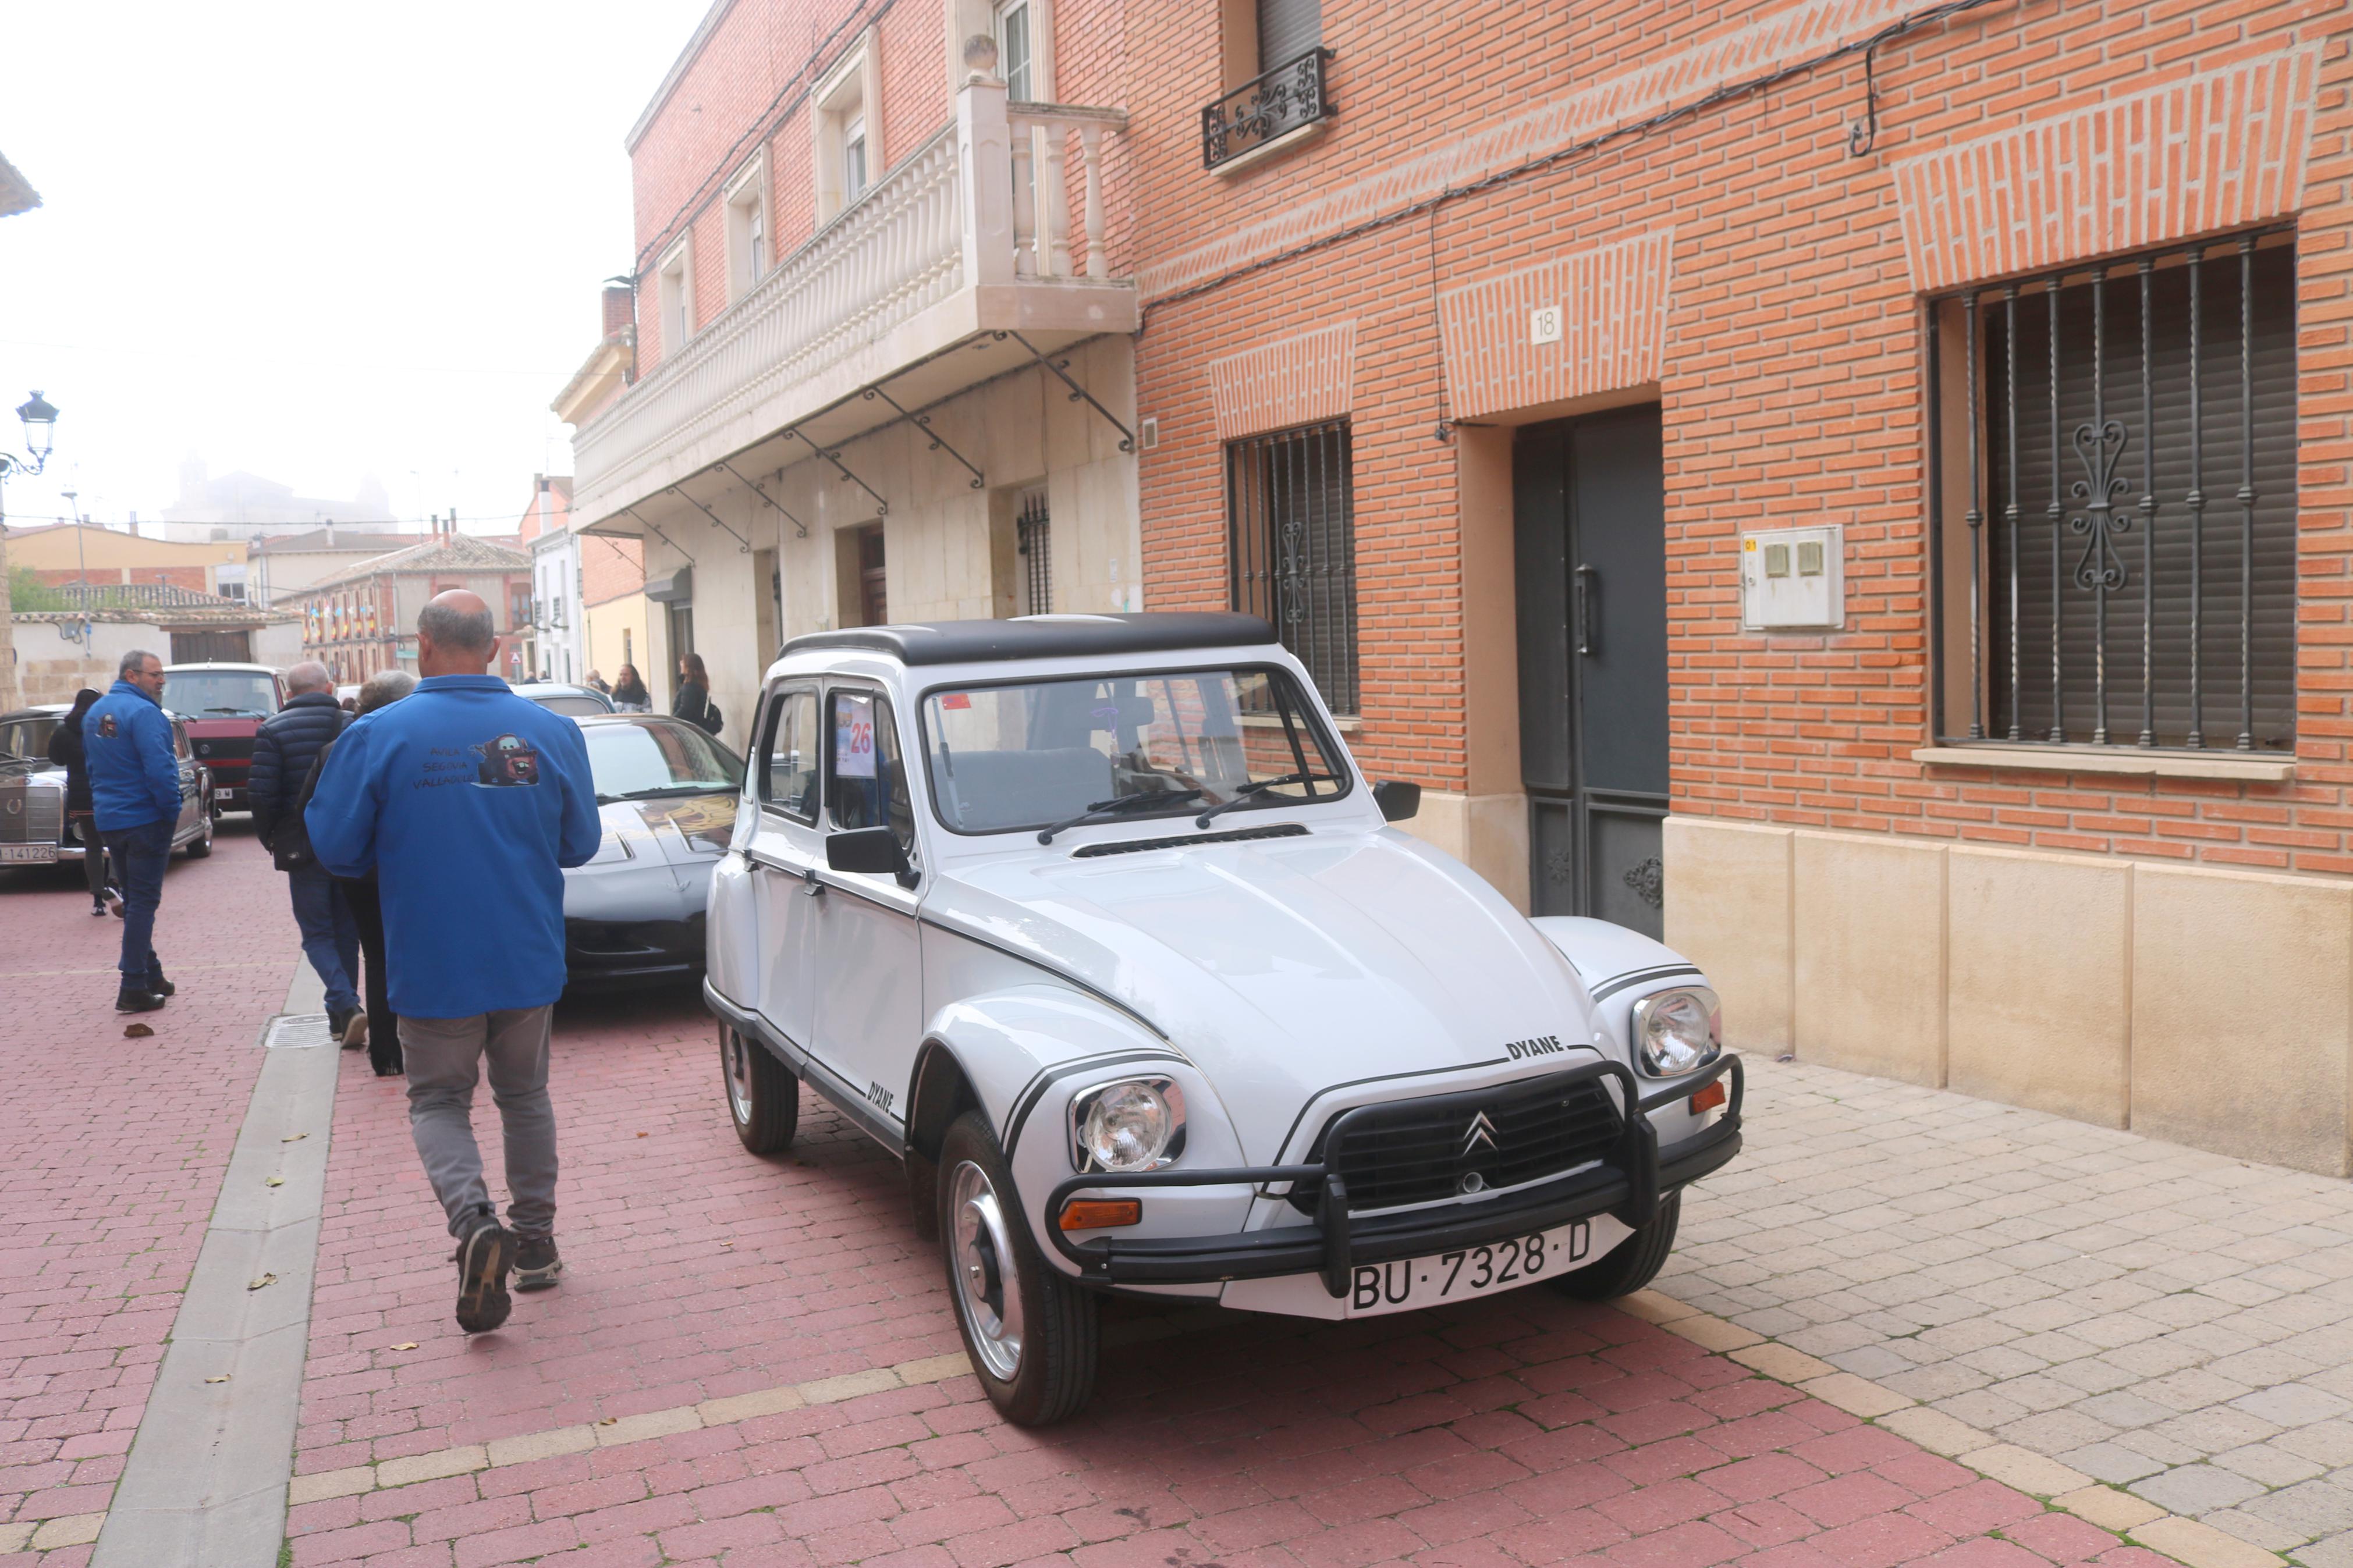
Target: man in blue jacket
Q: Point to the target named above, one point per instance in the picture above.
(467, 802)
(134, 796)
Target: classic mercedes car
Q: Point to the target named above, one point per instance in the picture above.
(33, 830)
(1094, 922)
(666, 795)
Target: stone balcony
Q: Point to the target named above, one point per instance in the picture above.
(917, 289)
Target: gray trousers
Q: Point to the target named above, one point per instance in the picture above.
(444, 1060)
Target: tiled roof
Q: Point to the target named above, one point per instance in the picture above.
(444, 553)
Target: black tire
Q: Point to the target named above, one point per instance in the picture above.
(1632, 1264)
(763, 1097)
(1050, 1373)
(202, 844)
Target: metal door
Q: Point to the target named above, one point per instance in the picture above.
(1590, 502)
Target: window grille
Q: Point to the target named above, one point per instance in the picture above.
(1034, 539)
(2128, 437)
(1292, 544)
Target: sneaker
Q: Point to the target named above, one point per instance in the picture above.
(98, 909)
(338, 1021)
(355, 1030)
(483, 1258)
(536, 1263)
(161, 987)
(126, 1000)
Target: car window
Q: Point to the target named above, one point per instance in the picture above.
(180, 740)
(1033, 754)
(26, 738)
(571, 707)
(868, 787)
(641, 758)
(788, 755)
(221, 693)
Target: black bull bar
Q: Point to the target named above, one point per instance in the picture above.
(1627, 1185)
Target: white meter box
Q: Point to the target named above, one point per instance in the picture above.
(1793, 579)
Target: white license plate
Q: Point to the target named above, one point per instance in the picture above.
(40, 853)
(1481, 1270)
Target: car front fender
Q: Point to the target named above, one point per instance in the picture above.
(1619, 967)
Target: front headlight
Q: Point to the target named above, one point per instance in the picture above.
(1676, 1032)
(1135, 1124)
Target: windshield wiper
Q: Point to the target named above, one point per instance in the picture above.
(650, 791)
(1251, 792)
(1119, 807)
(234, 713)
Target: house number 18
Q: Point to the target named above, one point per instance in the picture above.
(1544, 324)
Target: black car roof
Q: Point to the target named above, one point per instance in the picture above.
(1044, 637)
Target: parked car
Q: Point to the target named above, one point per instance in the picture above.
(574, 702)
(224, 705)
(1094, 922)
(666, 794)
(33, 826)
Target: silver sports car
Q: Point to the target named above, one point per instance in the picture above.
(666, 793)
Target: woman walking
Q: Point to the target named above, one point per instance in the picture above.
(66, 751)
(693, 703)
(630, 693)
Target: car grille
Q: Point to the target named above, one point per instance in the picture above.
(31, 813)
(1413, 1152)
(218, 749)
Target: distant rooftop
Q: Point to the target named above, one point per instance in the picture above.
(436, 553)
(372, 543)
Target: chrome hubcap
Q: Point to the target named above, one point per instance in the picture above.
(739, 1075)
(987, 1291)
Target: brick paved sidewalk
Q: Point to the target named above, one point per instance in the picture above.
(2176, 1322)
(111, 1159)
(752, 1363)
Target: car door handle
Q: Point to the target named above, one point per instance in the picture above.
(809, 883)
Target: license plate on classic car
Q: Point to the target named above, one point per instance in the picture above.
(41, 854)
(1461, 1273)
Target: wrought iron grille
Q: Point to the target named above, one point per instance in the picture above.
(1291, 530)
(1291, 95)
(1034, 539)
(2129, 440)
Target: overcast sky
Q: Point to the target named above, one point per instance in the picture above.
(315, 241)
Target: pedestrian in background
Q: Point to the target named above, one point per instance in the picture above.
(134, 796)
(379, 1026)
(467, 802)
(693, 703)
(630, 693)
(596, 683)
(66, 751)
(285, 746)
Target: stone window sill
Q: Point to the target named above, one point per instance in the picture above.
(2125, 760)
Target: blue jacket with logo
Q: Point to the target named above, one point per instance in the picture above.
(467, 802)
(134, 775)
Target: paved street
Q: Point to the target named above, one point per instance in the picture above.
(751, 1362)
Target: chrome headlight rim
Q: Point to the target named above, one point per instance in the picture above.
(1648, 1010)
(1171, 1094)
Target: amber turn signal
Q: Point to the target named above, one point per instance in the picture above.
(1708, 1098)
(1101, 1213)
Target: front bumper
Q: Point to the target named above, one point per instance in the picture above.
(613, 952)
(1627, 1184)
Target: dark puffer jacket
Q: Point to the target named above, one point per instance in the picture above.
(283, 750)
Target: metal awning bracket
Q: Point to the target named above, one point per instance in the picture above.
(743, 545)
(833, 456)
(1060, 369)
(665, 538)
(923, 422)
(800, 528)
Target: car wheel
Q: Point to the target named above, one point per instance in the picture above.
(1632, 1264)
(1030, 1332)
(202, 844)
(763, 1097)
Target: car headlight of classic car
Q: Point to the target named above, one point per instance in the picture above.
(1132, 1124)
(1677, 1031)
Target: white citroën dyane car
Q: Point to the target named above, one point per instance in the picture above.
(1094, 922)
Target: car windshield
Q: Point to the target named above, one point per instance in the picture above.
(571, 704)
(1040, 754)
(220, 693)
(28, 738)
(657, 756)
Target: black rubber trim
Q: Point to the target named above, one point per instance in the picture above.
(1137, 846)
(1097, 991)
(829, 1085)
(1045, 1077)
(1062, 636)
(1617, 982)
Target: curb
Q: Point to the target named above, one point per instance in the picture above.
(2120, 1513)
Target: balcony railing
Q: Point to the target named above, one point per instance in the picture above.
(1291, 95)
(984, 201)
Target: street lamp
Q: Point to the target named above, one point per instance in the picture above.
(40, 419)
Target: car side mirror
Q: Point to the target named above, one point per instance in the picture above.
(868, 851)
(1398, 799)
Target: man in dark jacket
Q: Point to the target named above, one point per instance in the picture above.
(134, 793)
(283, 750)
(65, 750)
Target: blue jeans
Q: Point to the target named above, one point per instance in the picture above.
(140, 854)
(330, 938)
